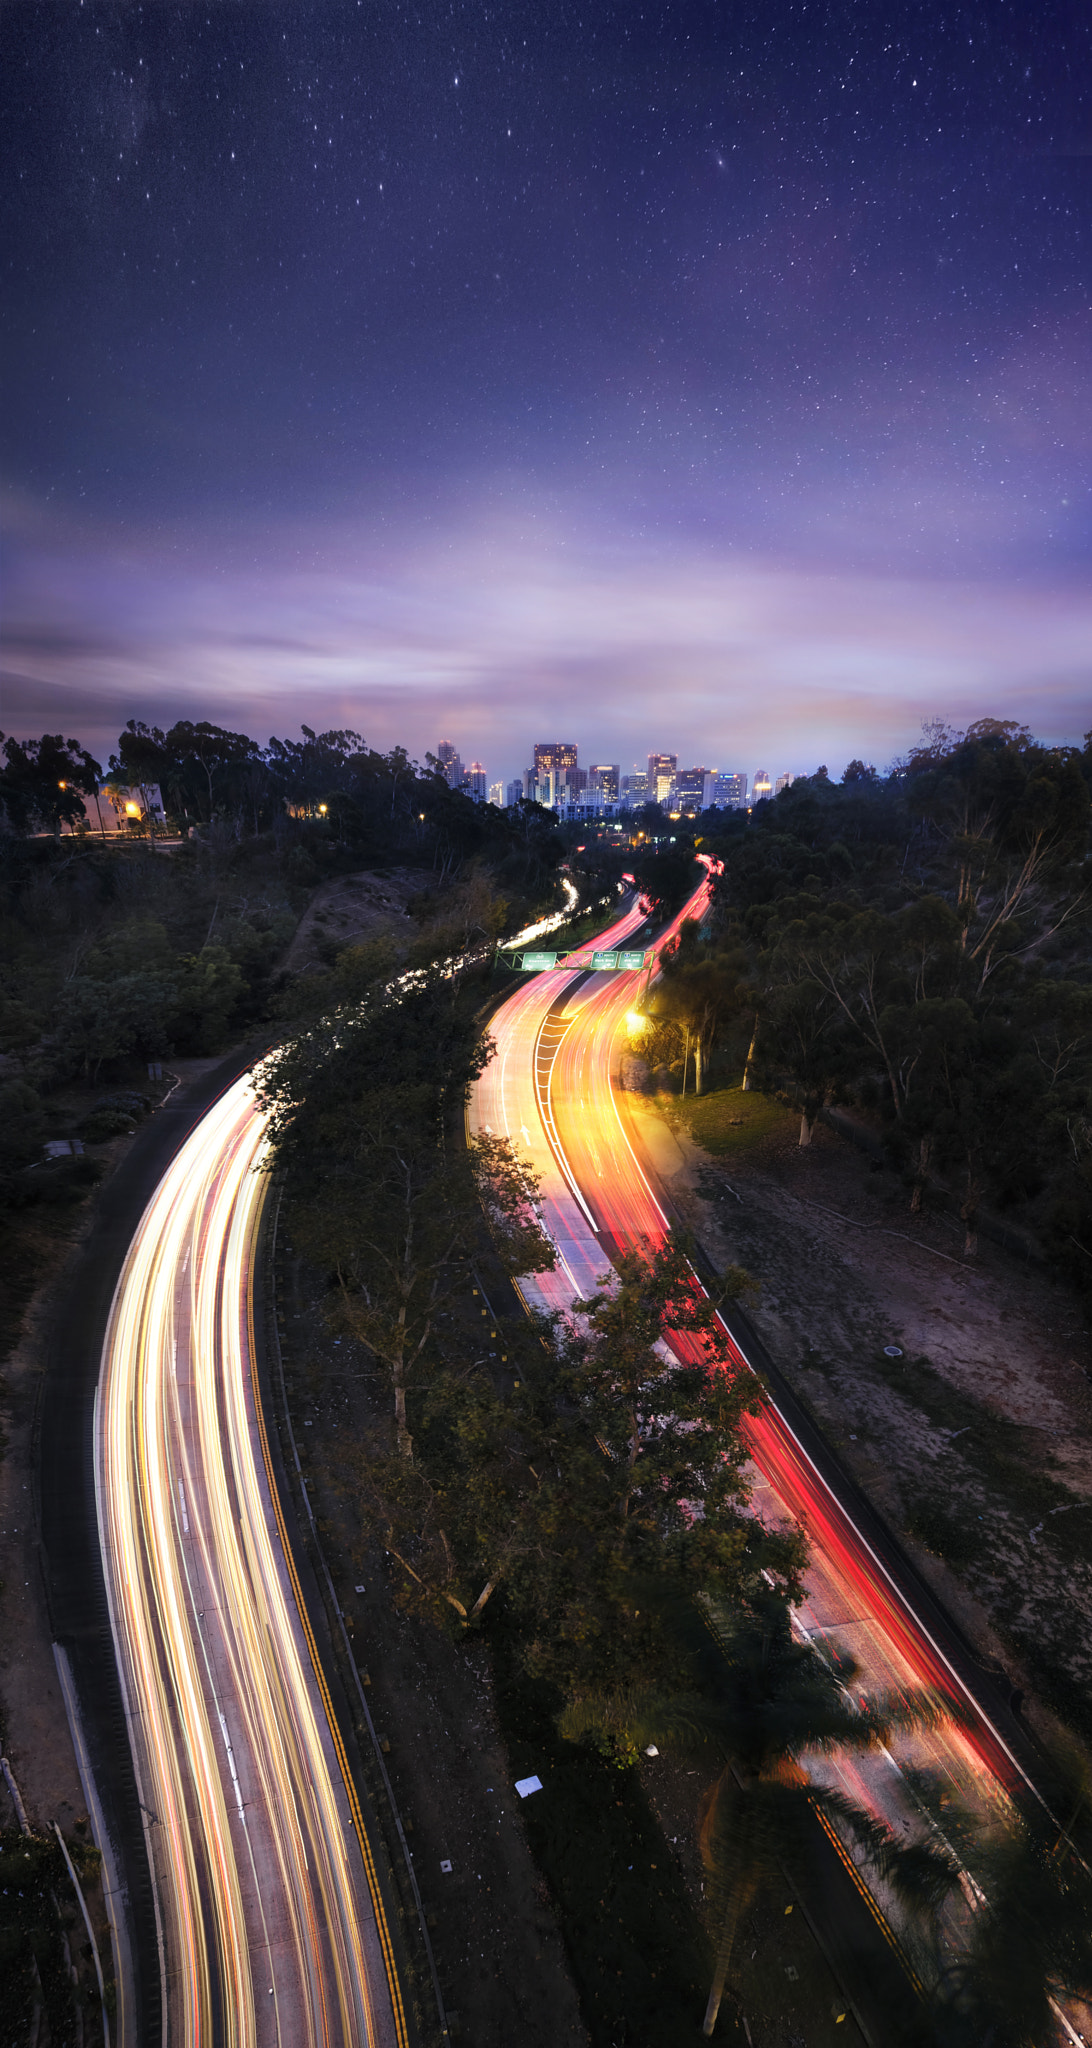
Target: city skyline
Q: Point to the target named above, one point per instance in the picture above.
(556, 777)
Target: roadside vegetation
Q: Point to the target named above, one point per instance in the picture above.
(918, 948)
(120, 955)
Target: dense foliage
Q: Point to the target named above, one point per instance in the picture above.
(919, 947)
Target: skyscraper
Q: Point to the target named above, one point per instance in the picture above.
(603, 780)
(783, 782)
(554, 757)
(474, 781)
(729, 791)
(450, 765)
(496, 794)
(761, 787)
(690, 788)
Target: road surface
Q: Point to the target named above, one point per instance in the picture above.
(271, 1925)
(551, 1090)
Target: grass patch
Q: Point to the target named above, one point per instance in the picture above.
(958, 1542)
(730, 1122)
(1003, 1455)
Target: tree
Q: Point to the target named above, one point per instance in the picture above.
(98, 1020)
(42, 782)
(643, 1422)
(1028, 1947)
(202, 758)
(666, 876)
(802, 1045)
(384, 1197)
(761, 1702)
(698, 988)
(1013, 818)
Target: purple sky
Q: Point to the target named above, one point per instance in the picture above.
(511, 629)
(691, 379)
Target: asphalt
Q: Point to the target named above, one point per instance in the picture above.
(65, 1474)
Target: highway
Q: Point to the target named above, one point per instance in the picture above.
(270, 1922)
(551, 1089)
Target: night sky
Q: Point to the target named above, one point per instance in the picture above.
(706, 377)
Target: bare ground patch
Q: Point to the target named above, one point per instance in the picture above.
(976, 1442)
(350, 911)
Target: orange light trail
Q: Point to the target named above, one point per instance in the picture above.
(270, 1932)
(573, 1123)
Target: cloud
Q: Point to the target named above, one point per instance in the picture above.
(517, 626)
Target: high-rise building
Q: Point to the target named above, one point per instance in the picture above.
(496, 794)
(659, 765)
(634, 789)
(603, 780)
(783, 782)
(690, 788)
(514, 791)
(761, 787)
(450, 765)
(729, 791)
(554, 756)
(474, 782)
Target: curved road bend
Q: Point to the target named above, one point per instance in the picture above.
(550, 1089)
(271, 1926)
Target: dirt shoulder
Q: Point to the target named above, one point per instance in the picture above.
(976, 1442)
(350, 911)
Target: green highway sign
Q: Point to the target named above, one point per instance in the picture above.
(583, 962)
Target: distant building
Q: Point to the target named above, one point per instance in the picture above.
(514, 791)
(554, 757)
(474, 782)
(729, 791)
(761, 787)
(450, 765)
(604, 780)
(496, 794)
(555, 778)
(783, 782)
(634, 790)
(689, 788)
(130, 803)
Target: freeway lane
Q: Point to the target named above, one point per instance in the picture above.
(595, 1129)
(266, 1922)
(551, 1090)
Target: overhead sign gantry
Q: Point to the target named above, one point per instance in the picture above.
(614, 962)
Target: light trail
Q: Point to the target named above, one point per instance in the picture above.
(596, 1197)
(271, 1926)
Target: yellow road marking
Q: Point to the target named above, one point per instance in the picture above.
(882, 1922)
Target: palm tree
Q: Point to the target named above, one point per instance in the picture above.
(1029, 1943)
(763, 1701)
